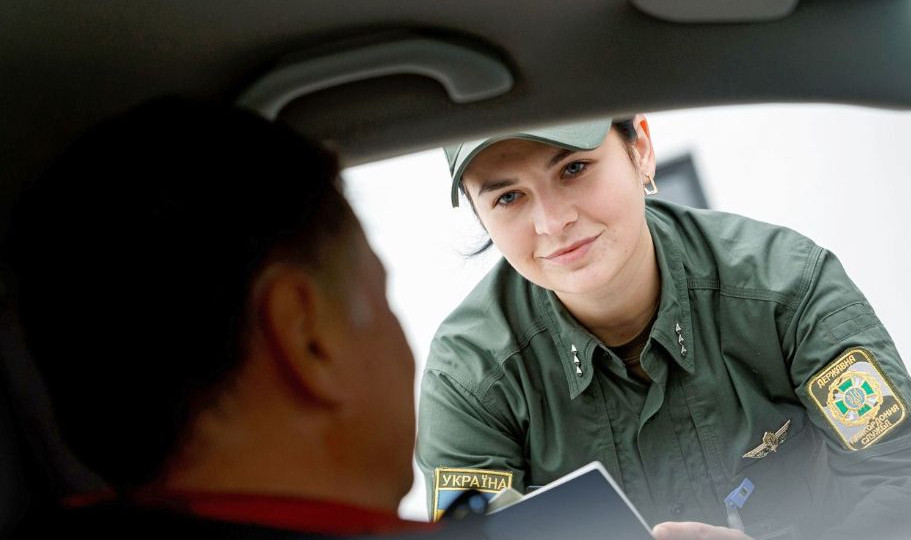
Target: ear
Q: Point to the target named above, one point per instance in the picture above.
(644, 150)
(291, 305)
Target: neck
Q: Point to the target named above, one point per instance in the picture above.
(626, 305)
(260, 439)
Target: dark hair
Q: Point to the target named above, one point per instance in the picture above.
(134, 259)
(626, 128)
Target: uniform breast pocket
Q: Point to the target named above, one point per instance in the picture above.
(770, 438)
(782, 466)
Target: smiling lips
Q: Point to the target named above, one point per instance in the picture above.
(572, 252)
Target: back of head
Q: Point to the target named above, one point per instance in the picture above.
(134, 257)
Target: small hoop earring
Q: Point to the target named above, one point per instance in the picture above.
(651, 188)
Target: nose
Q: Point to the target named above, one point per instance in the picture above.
(552, 214)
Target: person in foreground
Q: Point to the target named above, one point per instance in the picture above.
(213, 330)
(727, 373)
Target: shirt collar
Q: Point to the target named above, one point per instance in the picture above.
(567, 334)
(274, 511)
(673, 327)
(673, 324)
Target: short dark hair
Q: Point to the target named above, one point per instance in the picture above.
(627, 129)
(134, 258)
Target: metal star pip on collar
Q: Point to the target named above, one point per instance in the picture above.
(576, 361)
(770, 442)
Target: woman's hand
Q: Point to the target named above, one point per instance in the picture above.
(691, 530)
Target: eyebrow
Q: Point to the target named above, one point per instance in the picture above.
(558, 157)
(493, 185)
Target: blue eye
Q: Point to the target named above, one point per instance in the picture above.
(507, 198)
(574, 168)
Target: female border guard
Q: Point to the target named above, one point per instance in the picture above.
(724, 371)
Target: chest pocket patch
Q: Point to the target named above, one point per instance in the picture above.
(857, 399)
(448, 484)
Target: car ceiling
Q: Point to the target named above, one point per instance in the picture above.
(64, 65)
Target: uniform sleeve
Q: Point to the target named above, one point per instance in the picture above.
(855, 388)
(464, 443)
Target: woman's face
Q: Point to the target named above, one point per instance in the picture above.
(571, 222)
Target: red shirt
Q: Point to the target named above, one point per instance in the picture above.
(275, 511)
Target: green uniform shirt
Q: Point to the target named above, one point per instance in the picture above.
(759, 333)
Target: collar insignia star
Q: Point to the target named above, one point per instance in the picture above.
(576, 361)
(770, 442)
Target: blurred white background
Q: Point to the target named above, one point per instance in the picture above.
(834, 173)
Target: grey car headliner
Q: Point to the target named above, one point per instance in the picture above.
(64, 65)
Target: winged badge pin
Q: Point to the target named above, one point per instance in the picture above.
(770, 442)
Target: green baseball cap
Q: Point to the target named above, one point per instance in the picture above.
(579, 136)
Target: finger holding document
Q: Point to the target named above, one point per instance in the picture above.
(690, 530)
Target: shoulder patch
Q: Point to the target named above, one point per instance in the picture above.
(857, 398)
(449, 483)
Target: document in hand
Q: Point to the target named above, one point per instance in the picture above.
(584, 504)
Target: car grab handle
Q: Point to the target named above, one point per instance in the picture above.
(467, 74)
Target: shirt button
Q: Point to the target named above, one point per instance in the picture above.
(677, 509)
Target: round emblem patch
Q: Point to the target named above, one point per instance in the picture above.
(854, 398)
